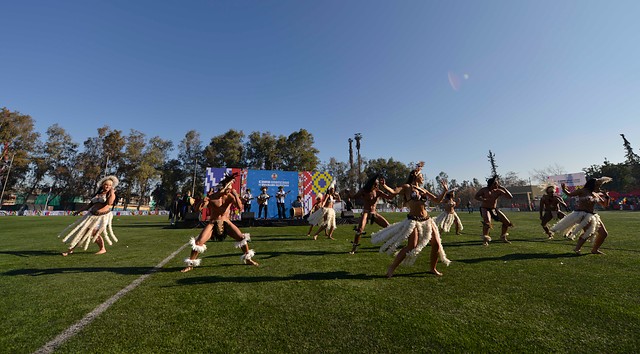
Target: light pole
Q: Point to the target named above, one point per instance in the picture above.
(351, 164)
(6, 180)
(358, 137)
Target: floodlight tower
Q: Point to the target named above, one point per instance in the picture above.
(358, 137)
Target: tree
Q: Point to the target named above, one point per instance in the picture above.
(511, 179)
(60, 152)
(226, 150)
(190, 159)
(632, 157)
(394, 172)
(540, 175)
(492, 161)
(262, 151)
(93, 162)
(19, 142)
(150, 169)
(134, 170)
(298, 153)
(339, 171)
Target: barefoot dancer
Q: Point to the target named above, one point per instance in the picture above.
(583, 218)
(219, 205)
(95, 223)
(327, 221)
(550, 206)
(449, 216)
(418, 229)
(488, 209)
(370, 193)
(317, 205)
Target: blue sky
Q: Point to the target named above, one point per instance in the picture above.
(537, 82)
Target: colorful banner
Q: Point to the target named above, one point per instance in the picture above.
(311, 184)
(256, 179)
(307, 184)
(571, 180)
(214, 175)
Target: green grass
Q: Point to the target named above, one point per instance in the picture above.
(533, 295)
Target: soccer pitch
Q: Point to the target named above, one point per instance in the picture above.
(533, 295)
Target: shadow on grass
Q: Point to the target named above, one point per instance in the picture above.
(273, 254)
(337, 275)
(518, 257)
(30, 253)
(50, 271)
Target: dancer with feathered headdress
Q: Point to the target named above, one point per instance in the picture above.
(417, 230)
(550, 206)
(583, 220)
(488, 196)
(95, 224)
(219, 205)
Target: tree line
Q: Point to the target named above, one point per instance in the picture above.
(56, 164)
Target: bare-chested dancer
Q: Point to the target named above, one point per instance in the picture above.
(219, 206)
(488, 196)
(550, 209)
(370, 193)
(584, 218)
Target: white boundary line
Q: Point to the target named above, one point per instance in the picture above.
(80, 325)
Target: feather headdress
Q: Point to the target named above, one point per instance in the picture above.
(111, 178)
(227, 181)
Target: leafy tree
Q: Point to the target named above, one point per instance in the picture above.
(172, 176)
(226, 150)
(18, 142)
(93, 162)
(149, 171)
(60, 152)
(191, 160)
(394, 172)
(492, 161)
(262, 151)
(339, 171)
(298, 153)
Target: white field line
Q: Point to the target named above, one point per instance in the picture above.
(78, 326)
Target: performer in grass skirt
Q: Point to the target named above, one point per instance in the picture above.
(219, 205)
(95, 225)
(448, 217)
(583, 220)
(369, 194)
(417, 230)
(326, 221)
(315, 215)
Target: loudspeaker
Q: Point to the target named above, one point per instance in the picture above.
(347, 214)
(248, 215)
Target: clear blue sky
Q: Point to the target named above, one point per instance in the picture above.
(537, 82)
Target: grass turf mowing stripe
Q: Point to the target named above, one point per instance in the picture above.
(78, 326)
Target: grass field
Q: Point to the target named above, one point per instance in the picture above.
(533, 295)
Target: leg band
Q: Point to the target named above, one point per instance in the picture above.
(192, 262)
(195, 247)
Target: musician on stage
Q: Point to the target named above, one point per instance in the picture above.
(246, 200)
(280, 195)
(263, 201)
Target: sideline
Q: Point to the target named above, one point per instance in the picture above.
(80, 325)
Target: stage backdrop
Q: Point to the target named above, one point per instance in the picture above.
(572, 180)
(306, 184)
